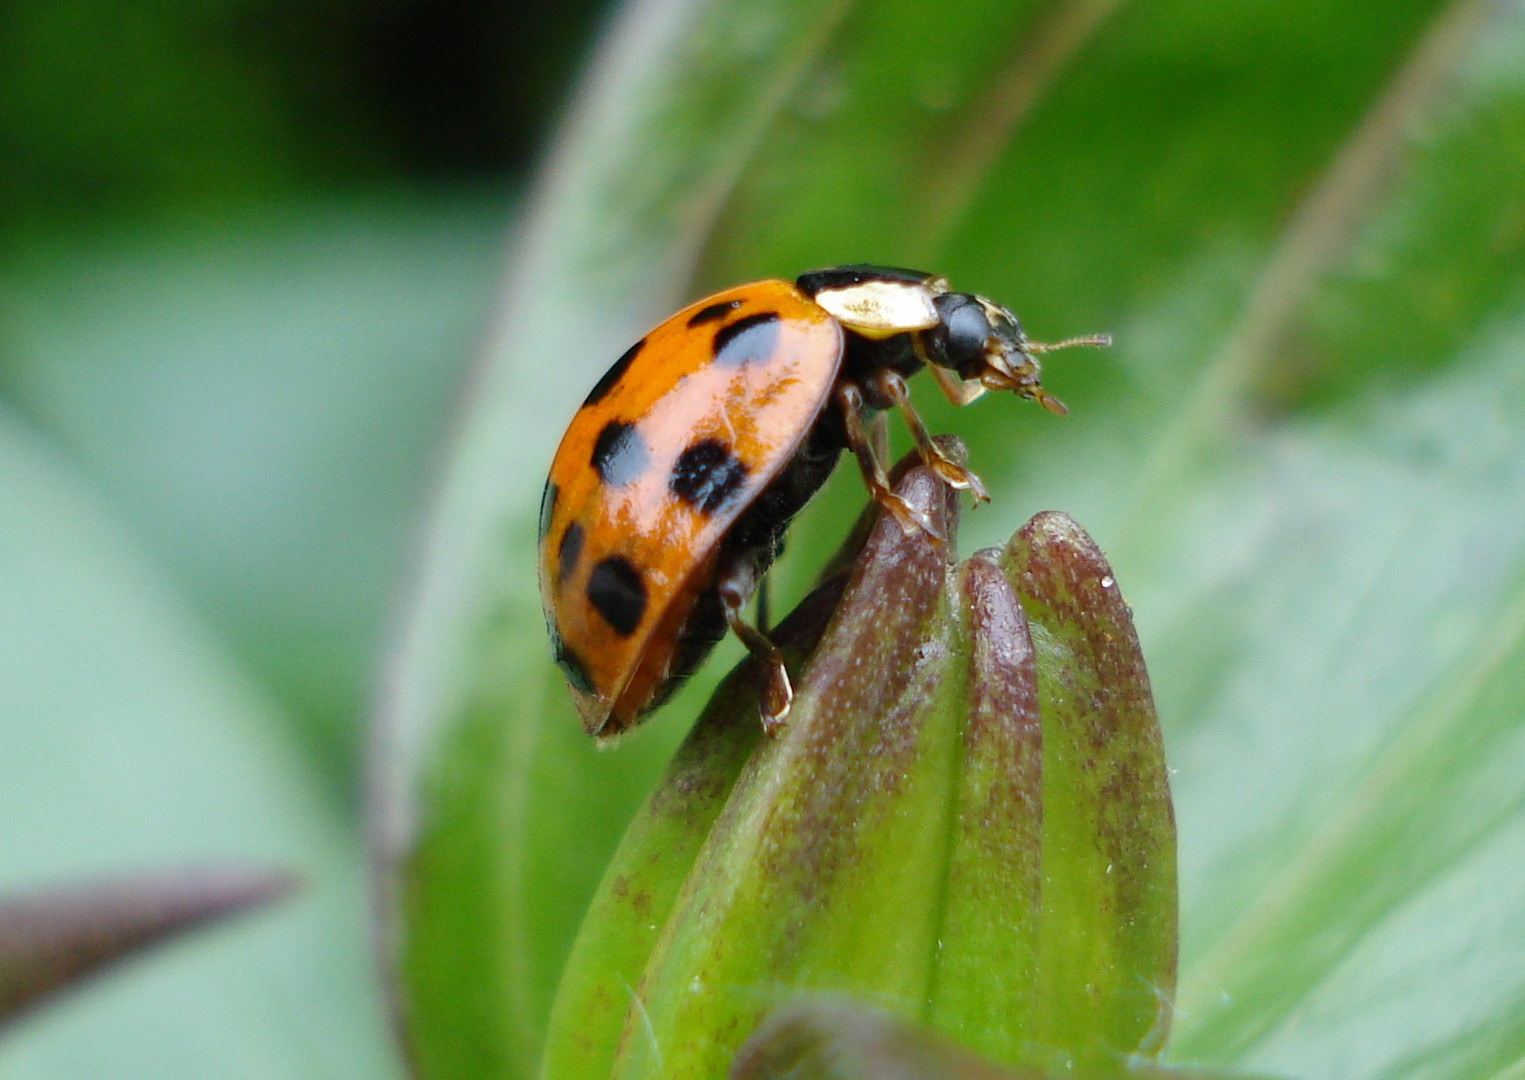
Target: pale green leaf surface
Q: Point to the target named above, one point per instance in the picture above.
(259, 398)
(1306, 229)
(133, 742)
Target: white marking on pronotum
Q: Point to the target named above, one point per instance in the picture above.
(876, 308)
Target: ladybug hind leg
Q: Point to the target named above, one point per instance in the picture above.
(855, 423)
(892, 386)
(733, 586)
(764, 603)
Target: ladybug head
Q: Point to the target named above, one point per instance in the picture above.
(983, 341)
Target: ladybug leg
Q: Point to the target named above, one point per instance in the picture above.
(764, 603)
(956, 390)
(850, 399)
(879, 435)
(892, 386)
(777, 693)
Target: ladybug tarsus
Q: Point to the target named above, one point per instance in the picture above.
(891, 385)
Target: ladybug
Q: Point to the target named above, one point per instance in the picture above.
(669, 495)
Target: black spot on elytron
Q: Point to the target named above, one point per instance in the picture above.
(571, 664)
(616, 591)
(713, 312)
(569, 551)
(706, 475)
(619, 453)
(613, 375)
(547, 508)
(753, 337)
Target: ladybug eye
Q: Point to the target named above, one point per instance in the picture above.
(965, 329)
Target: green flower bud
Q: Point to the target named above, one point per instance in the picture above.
(966, 822)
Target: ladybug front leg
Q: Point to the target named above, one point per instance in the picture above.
(854, 419)
(893, 387)
(733, 585)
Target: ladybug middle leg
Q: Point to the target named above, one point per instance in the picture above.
(892, 386)
(854, 418)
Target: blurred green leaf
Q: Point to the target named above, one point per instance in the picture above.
(132, 740)
(1305, 228)
(260, 401)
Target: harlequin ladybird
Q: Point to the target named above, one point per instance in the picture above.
(670, 492)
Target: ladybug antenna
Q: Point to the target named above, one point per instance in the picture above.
(1099, 341)
(1032, 349)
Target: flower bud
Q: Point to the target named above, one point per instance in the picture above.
(965, 822)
